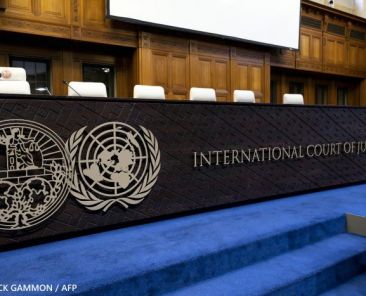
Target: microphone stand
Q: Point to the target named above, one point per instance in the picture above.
(68, 85)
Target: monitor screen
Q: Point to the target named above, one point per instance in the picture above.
(274, 23)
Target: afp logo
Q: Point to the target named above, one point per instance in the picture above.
(112, 164)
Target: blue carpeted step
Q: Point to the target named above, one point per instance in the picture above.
(354, 287)
(168, 257)
(204, 262)
(307, 271)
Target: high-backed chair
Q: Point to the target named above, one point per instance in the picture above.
(87, 89)
(202, 94)
(148, 92)
(244, 96)
(13, 81)
(296, 99)
(12, 74)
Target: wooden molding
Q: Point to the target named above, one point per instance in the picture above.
(3, 4)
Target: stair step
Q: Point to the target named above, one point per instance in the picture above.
(169, 255)
(354, 287)
(168, 259)
(307, 271)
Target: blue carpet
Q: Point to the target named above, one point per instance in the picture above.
(302, 272)
(171, 255)
(355, 287)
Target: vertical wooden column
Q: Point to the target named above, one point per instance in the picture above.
(267, 78)
(363, 93)
(144, 73)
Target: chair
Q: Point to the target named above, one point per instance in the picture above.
(202, 94)
(13, 81)
(148, 92)
(244, 96)
(296, 99)
(12, 74)
(87, 89)
(15, 87)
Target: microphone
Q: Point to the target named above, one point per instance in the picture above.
(68, 85)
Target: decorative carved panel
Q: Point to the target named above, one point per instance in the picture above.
(310, 54)
(56, 10)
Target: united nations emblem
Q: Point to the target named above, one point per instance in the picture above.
(113, 164)
(35, 174)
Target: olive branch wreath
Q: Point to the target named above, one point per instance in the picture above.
(93, 203)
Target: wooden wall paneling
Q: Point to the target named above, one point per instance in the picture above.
(179, 76)
(284, 88)
(363, 92)
(256, 81)
(335, 51)
(240, 78)
(267, 78)
(357, 50)
(309, 91)
(221, 79)
(4, 59)
(333, 93)
(93, 14)
(135, 67)
(21, 8)
(76, 19)
(40, 17)
(125, 80)
(202, 72)
(160, 68)
(210, 67)
(250, 70)
(176, 76)
(283, 58)
(310, 54)
(335, 54)
(90, 24)
(164, 61)
(55, 11)
(356, 93)
(57, 76)
(67, 73)
(277, 92)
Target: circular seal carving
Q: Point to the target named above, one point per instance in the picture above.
(113, 163)
(35, 175)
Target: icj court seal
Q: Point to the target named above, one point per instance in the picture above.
(35, 174)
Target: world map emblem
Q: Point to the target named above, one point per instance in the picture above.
(113, 164)
(35, 174)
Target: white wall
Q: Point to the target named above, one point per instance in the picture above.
(360, 8)
(356, 7)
